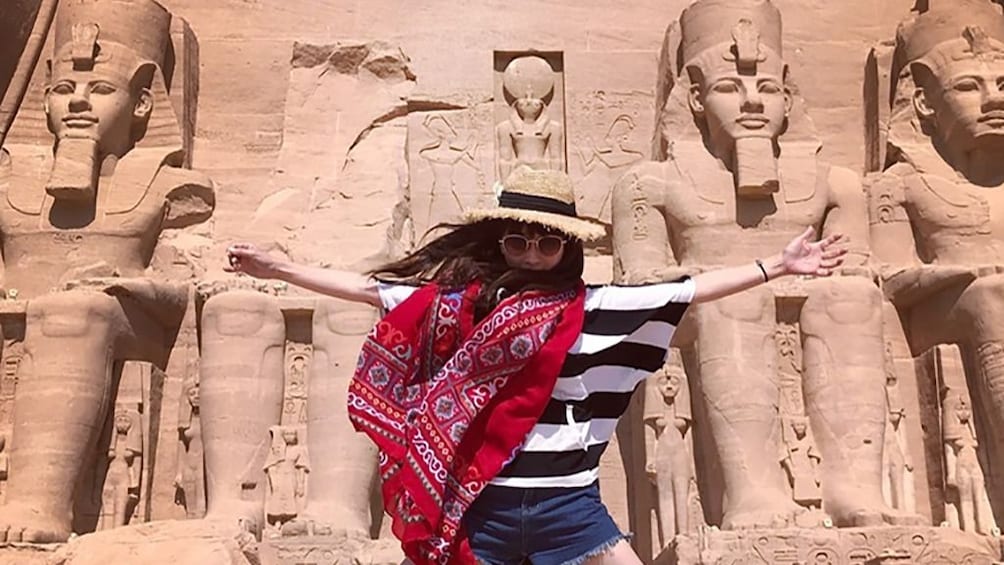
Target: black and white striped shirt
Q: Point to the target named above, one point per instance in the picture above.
(625, 337)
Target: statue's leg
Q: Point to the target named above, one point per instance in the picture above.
(739, 386)
(844, 388)
(967, 499)
(344, 474)
(240, 390)
(62, 399)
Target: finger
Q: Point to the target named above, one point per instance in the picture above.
(831, 264)
(834, 252)
(808, 233)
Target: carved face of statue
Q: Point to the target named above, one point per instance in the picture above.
(529, 108)
(289, 436)
(964, 99)
(99, 104)
(963, 413)
(123, 423)
(193, 395)
(736, 106)
(798, 426)
(669, 383)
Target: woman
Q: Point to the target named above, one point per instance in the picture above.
(496, 378)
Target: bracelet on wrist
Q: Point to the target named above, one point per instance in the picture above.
(763, 270)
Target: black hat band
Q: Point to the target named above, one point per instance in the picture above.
(536, 203)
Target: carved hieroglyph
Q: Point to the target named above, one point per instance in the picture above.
(85, 224)
(450, 165)
(741, 179)
(935, 210)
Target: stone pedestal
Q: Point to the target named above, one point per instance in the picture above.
(845, 546)
(329, 550)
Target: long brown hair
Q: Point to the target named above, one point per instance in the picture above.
(469, 252)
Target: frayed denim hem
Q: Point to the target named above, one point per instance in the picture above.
(599, 550)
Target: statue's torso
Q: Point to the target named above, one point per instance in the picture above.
(955, 222)
(46, 243)
(710, 225)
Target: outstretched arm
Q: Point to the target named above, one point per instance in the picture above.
(347, 285)
(801, 256)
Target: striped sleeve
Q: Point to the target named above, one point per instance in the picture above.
(393, 294)
(625, 337)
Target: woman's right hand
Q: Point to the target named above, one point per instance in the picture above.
(248, 259)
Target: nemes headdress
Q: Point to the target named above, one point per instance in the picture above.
(742, 35)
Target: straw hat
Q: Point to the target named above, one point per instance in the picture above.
(540, 197)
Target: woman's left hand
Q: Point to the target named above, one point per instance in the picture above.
(802, 256)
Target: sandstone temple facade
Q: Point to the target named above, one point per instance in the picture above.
(154, 409)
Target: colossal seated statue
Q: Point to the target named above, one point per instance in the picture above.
(740, 177)
(79, 231)
(937, 214)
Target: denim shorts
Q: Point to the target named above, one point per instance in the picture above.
(547, 526)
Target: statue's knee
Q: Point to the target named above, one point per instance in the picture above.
(753, 305)
(845, 300)
(73, 313)
(240, 313)
(343, 318)
(984, 297)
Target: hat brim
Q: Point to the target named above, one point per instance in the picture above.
(575, 227)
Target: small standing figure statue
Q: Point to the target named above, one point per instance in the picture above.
(122, 482)
(190, 480)
(898, 465)
(966, 488)
(801, 461)
(286, 468)
(667, 456)
(529, 137)
(4, 465)
(296, 403)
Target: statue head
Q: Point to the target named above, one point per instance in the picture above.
(800, 426)
(289, 436)
(954, 53)
(123, 421)
(529, 82)
(669, 379)
(192, 393)
(529, 107)
(620, 130)
(731, 51)
(109, 54)
(962, 410)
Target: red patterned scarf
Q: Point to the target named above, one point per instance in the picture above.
(449, 402)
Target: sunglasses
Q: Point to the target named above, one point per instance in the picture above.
(547, 245)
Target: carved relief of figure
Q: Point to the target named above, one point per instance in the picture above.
(190, 477)
(965, 488)
(668, 460)
(936, 211)
(91, 225)
(742, 176)
(4, 465)
(614, 152)
(897, 485)
(287, 467)
(801, 462)
(296, 386)
(529, 137)
(443, 154)
(122, 481)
